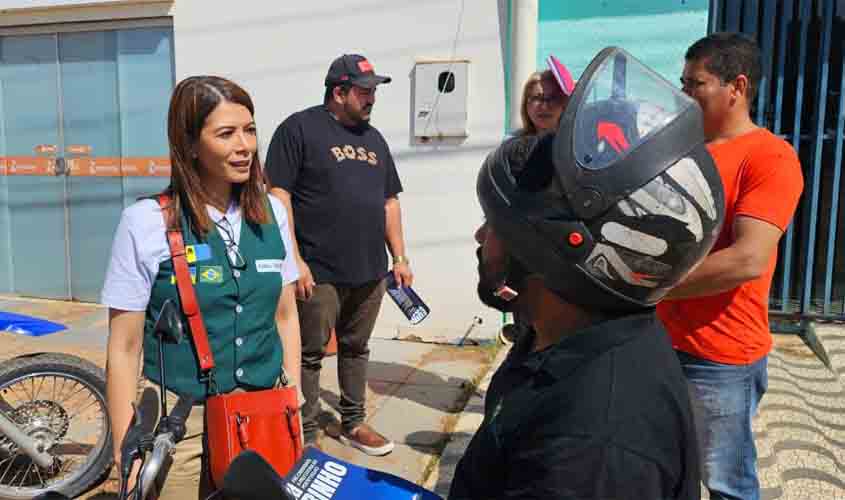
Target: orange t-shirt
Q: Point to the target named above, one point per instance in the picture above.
(762, 178)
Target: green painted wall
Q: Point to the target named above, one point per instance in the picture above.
(657, 32)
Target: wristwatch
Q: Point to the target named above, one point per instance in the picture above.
(400, 259)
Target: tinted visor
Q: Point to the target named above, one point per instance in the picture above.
(624, 125)
(623, 106)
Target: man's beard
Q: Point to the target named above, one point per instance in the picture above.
(488, 285)
(358, 117)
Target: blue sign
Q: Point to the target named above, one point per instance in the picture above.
(318, 476)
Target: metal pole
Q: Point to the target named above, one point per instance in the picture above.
(713, 14)
(834, 204)
(819, 109)
(523, 53)
(803, 16)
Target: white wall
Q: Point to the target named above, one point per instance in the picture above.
(280, 51)
(49, 4)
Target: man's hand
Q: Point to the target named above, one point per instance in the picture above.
(305, 283)
(402, 273)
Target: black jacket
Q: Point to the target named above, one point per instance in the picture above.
(603, 414)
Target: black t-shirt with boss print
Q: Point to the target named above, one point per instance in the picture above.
(339, 179)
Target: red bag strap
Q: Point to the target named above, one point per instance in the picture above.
(187, 295)
(293, 428)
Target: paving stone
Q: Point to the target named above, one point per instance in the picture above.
(452, 366)
(399, 352)
(416, 415)
(458, 440)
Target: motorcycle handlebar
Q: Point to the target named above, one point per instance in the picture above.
(163, 445)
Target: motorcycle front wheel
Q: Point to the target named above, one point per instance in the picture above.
(60, 401)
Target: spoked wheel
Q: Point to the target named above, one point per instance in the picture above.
(59, 400)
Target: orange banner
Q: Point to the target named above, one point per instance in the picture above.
(30, 165)
(146, 166)
(86, 166)
(94, 167)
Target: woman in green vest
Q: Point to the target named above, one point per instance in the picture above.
(238, 246)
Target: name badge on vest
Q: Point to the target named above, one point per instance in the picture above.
(268, 265)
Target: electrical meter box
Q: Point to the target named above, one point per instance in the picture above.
(440, 100)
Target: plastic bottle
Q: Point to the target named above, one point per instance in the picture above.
(407, 300)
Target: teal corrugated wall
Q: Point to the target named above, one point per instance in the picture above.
(657, 32)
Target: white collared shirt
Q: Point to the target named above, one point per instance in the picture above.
(140, 245)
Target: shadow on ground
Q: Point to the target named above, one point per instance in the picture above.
(404, 382)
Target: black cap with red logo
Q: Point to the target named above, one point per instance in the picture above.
(354, 69)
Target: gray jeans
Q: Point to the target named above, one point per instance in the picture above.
(352, 312)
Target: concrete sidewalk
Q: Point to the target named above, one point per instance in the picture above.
(469, 421)
(415, 394)
(416, 390)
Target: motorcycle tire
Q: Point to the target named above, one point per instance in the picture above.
(50, 418)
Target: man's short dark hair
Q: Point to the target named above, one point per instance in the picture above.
(728, 55)
(330, 90)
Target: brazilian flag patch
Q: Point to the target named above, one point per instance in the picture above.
(211, 274)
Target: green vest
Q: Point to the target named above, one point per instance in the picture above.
(238, 306)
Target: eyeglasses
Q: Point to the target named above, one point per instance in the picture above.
(538, 99)
(236, 260)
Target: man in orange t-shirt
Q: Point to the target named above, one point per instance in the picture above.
(718, 317)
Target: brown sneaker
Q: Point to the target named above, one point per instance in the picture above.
(366, 439)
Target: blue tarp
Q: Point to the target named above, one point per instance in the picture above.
(27, 325)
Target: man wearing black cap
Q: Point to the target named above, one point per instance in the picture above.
(336, 176)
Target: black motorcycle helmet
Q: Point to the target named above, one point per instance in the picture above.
(621, 203)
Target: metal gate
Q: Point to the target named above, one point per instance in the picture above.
(802, 99)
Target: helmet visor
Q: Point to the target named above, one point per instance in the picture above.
(625, 103)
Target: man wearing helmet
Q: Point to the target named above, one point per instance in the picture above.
(585, 232)
(719, 323)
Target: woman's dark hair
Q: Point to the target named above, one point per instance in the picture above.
(193, 99)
